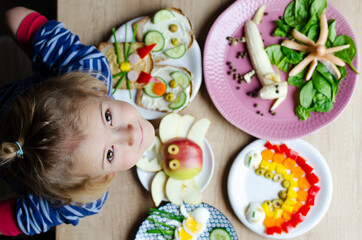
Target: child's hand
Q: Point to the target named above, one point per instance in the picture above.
(14, 17)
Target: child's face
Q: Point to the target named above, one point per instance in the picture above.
(116, 137)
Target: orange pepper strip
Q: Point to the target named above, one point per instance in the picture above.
(289, 163)
(297, 206)
(297, 172)
(303, 183)
(269, 222)
(287, 215)
(159, 89)
(278, 158)
(279, 222)
(302, 195)
(267, 154)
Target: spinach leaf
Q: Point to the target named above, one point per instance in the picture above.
(347, 54)
(283, 25)
(302, 113)
(323, 105)
(325, 73)
(312, 21)
(313, 32)
(317, 7)
(298, 80)
(278, 32)
(277, 57)
(296, 13)
(332, 30)
(292, 56)
(321, 84)
(306, 94)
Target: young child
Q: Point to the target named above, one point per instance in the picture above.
(62, 135)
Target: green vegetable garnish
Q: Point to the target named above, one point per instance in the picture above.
(123, 75)
(116, 46)
(130, 47)
(249, 160)
(253, 214)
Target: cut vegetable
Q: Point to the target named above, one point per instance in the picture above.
(149, 88)
(179, 101)
(219, 234)
(176, 52)
(153, 37)
(162, 15)
(144, 77)
(143, 51)
(181, 78)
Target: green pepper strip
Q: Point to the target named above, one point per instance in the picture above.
(158, 227)
(125, 45)
(116, 46)
(133, 39)
(123, 75)
(166, 214)
(168, 232)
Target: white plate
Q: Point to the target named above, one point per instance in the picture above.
(244, 186)
(191, 60)
(202, 179)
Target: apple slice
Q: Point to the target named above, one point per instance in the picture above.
(191, 193)
(185, 125)
(158, 187)
(174, 190)
(198, 131)
(149, 165)
(169, 126)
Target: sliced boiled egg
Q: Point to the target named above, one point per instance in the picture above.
(253, 159)
(254, 213)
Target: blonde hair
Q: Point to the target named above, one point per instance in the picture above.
(45, 121)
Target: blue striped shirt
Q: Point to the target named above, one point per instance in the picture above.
(55, 51)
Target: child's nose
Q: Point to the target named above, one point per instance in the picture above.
(126, 134)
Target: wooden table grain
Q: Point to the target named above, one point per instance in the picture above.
(128, 203)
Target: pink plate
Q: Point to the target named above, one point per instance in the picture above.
(231, 98)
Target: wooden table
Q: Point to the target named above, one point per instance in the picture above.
(340, 142)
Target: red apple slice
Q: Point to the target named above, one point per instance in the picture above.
(185, 125)
(158, 187)
(198, 131)
(174, 190)
(169, 126)
(191, 193)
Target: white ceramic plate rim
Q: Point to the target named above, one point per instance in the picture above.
(202, 179)
(191, 60)
(237, 182)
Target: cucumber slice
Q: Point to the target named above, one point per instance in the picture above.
(179, 101)
(176, 52)
(162, 15)
(181, 78)
(154, 36)
(219, 234)
(148, 89)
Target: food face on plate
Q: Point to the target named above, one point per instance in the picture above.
(177, 89)
(170, 29)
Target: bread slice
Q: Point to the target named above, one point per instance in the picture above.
(160, 104)
(184, 32)
(145, 64)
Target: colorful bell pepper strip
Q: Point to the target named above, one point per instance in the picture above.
(144, 51)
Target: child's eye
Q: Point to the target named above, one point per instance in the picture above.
(108, 116)
(110, 154)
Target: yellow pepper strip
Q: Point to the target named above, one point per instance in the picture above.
(125, 66)
(278, 213)
(292, 193)
(264, 164)
(287, 207)
(280, 168)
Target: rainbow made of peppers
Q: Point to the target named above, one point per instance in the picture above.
(284, 165)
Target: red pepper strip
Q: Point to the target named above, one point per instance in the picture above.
(143, 51)
(268, 145)
(297, 218)
(284, 148)
(292, 154)
(287, 226)
(300, 161)
(313, 190)
(312, 178)
(304, 210)
(310, 200)
(277, 148)
(144, 77)
(272, 230)
(306, 168)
